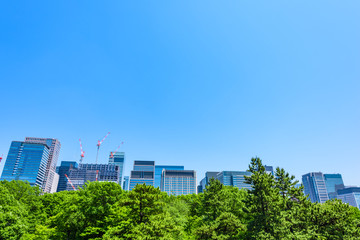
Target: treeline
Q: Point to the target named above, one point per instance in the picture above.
(273, 209)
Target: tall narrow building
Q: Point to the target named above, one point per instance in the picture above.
(27, 162)
(118, 159)
(315, 187)
(50, 172)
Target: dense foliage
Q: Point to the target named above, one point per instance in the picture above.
(273, 209)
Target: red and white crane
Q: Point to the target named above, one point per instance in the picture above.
(82, 152)
(98, 146)
(112, 153)
(1, 157)
(70, 182)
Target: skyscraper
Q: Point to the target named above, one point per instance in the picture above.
(158, 172)
(126, 183)
(333, 183)
(63, 169)
(315, 187)
(27, 162)
(143, 172)
(55, 146)
(350, 195)
(205, 181)
(234, 178)
(118, 159)
(93, 172)
(178, 182)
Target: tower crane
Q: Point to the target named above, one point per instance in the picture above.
(82, 152)
(1, 157)
(98, 146)
(70, 182)
(112, 153)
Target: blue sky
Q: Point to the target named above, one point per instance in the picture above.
(204, 84)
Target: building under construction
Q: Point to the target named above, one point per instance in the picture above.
(92, 172)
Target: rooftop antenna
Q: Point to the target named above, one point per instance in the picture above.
(82, 152)
(98, 146)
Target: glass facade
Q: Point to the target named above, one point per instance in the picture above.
(63, 169)
(126, 183)
(315, 187)
(27, 162)
(234, 178)
(118, 159)
(178, 182)
(158, 172)
(92, 173)
(205, 181)
(333, 183)
(350, 195)
(143, 172)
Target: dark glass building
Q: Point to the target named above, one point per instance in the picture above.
(205, 181)
(63, 169)
(315, 186)
(234, 178)
(143, 172)
(27, 162)
(333, 183)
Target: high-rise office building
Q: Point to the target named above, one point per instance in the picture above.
(118, 159)
(333, 183)
(93, 172)
(234, 178)
(63, 169)
(55, 146)
(27, 161)
(178, 182)
(206, 180)
(143, 172)
(350, 195)
(158, 172)
(315, 187)
(126, 183)
(269, 169)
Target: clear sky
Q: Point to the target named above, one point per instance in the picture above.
(204, 84)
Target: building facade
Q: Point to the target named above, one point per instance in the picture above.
(234, 178)
(315, 187)
(350, 195)
(333, 183)
(126, 183)
(92, 172)
(27, 162)
(143, 172)
(178, 182)
(63, 169)
(118, 159)
(50, 172)
(158, 172)
(206, 180)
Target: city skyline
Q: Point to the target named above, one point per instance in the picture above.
(192, 83)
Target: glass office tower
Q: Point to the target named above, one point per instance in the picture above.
(205, 181)
(234, 178)
(333, 183)
(93, 172)
(27, 162)
(315, 187)
(143, 173)
(126, 183)
(50, 172)
(158, 172)
(63, 169)
(178, 182)
(118, 159)
(350, 195)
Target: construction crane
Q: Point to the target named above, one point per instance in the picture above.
(98, 146)
(97, 175)
(112, 153)
(70, 182)
(1, 157)
(82, 152)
